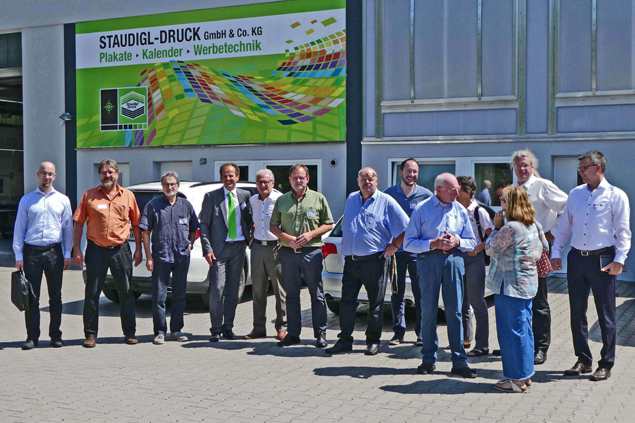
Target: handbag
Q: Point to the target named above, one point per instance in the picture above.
(543, 264)
(22, 294)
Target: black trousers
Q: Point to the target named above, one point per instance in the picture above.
(541, 323)
(98, 261)
(584, 275)
(50, 261)
(370, 274)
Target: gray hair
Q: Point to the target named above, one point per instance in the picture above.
(523, 153)
(444, 177)
(487, 184)
(265, 172)
(168, 174)
(596, 158)
(360, 173)
(108, 162)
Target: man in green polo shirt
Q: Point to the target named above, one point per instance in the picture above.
(299, 219)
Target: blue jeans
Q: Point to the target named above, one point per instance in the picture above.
(305, 265)
(405, 262)
(160, 282)
(515, 336)
(444, 272)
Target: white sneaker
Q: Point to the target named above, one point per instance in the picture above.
(178, 336)
(159, 339)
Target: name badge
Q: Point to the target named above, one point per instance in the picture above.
(243, 205)
(310, 213)
(599, 206)
(183, 220)
(413, 205)
(102, 206)
(268, 215)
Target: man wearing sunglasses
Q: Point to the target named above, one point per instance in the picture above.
(548, 201)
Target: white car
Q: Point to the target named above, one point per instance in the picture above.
(197, 281)
(333, 269)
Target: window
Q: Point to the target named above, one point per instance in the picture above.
(281, 173)
(499, 174)
(428, 171)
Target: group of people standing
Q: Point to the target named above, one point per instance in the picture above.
(441, 239)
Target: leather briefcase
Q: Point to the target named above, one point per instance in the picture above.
(21, 291)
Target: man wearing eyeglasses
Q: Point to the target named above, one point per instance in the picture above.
(42, 243)
(596, 218)
(548, 201)
(265, 262)
(439, 231)
(372, 231)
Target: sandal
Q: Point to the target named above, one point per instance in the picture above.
(478, 352)
(528, 383)
(508, 385)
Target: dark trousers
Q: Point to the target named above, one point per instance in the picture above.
(541, 324)
(50, 262)
(584, 275)
(475, 288)
(370, 275)
(305, 265)
(160, 282)
(405, 262)
(224, 284)
(98, 261)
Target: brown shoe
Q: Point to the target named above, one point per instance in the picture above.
(601, 373)
(254, 334)
(578, 369)
(90, 342)
(131, 340)
(281, 335)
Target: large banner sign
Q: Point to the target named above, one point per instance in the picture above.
(273, 72)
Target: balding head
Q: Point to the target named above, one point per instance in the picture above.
(47, 167)
(46, 175)
(447, 187)
(367, 181)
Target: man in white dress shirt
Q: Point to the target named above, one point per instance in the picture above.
(548, 201)
(42, 243)
(265, 263)
(596, 218)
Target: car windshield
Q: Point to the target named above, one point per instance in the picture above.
(337, 230)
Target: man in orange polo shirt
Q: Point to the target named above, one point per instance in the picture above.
(108, 211)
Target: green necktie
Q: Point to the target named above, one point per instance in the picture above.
(231, 216)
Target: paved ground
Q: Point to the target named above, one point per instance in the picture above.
(257, 381)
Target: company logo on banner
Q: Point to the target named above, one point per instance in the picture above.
(124, 109)
(254, 79)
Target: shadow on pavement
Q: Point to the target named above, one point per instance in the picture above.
(450, 386)
(625, 329)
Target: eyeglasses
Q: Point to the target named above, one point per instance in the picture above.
(502, 199)
(583, 169)
(450, 189)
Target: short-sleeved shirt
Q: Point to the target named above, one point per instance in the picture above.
(296, 217)
(171, 226)
(261, 213)
(408, 204)
(107, 221)
(369, 227)
(484, 221)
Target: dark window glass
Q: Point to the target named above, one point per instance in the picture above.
(281, 174)
(499, 174)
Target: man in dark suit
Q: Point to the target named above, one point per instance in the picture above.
(225, 232)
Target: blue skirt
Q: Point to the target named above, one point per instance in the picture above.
(515, 337)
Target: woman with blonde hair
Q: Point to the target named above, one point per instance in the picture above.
(514, 248)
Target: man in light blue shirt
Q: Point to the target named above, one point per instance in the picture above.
(372, 230)
(484, 196)
(438, 231)
(408, 194)
(43, 228)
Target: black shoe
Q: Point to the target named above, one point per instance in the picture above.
(57, 343)
(466, 372)
(372, 349)
(419, 342)
(215, 337)
(601, 373)
(578, 369)
(29, 345)
(321, 342)
(426, 369)
(228, 334)
(496, 353)
(339, 347)
(289, 340)
(476, 352)
(540, 357)
(396, 340)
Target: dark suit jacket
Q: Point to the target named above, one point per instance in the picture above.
(214, 222)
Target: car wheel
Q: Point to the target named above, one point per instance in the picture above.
(334, 306)
(113, 295)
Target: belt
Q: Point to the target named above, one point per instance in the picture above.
(109, 247)
(374, 256)
(265, 242)
(301, 249)
(440, 251)
(42, 248)
(606, 250)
